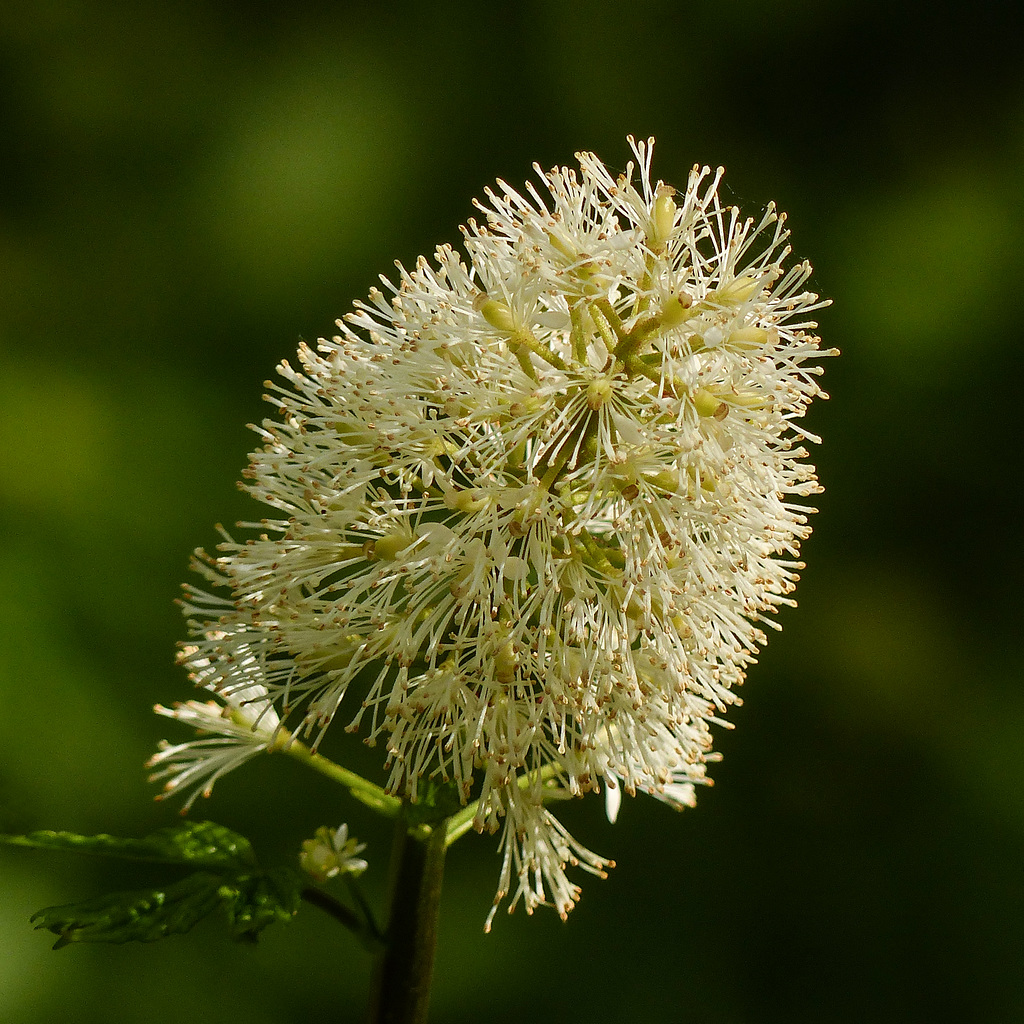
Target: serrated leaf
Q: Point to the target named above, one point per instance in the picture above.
(254, 901)
(201, 844)
(251, 901)
(145, 915)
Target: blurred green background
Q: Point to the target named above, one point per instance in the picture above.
(188, 189)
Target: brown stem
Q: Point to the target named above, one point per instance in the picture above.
(401, 990)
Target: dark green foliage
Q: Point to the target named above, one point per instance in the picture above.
(229, 879)
(141, 916)
(253, 901)
(201, 844)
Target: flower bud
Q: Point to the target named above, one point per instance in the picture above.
(663, 218)
(737, 291)
(710, 405)
(674, 309)
(496, 313)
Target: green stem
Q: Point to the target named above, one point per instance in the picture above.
(643, 293)
(631, 344)
(613, 320)
(462, 821)
(401, 991)
(524, 339)
(673, 386)
(363, 928)
(362, 789)
(612, 340)
(578, 335)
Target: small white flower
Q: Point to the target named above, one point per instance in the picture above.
(330, 853)
(534, 507)
(232, 731)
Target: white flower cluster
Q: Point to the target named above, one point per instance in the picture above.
(534, 506)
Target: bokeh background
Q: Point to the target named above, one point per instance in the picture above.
(188, 189)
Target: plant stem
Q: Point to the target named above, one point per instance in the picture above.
(401, 989)
(362, 789)
(364, 930)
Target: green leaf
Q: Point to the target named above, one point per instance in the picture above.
(230, 880)
(201, 844)
(254, 901)
(251, 901)
(141, 916)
